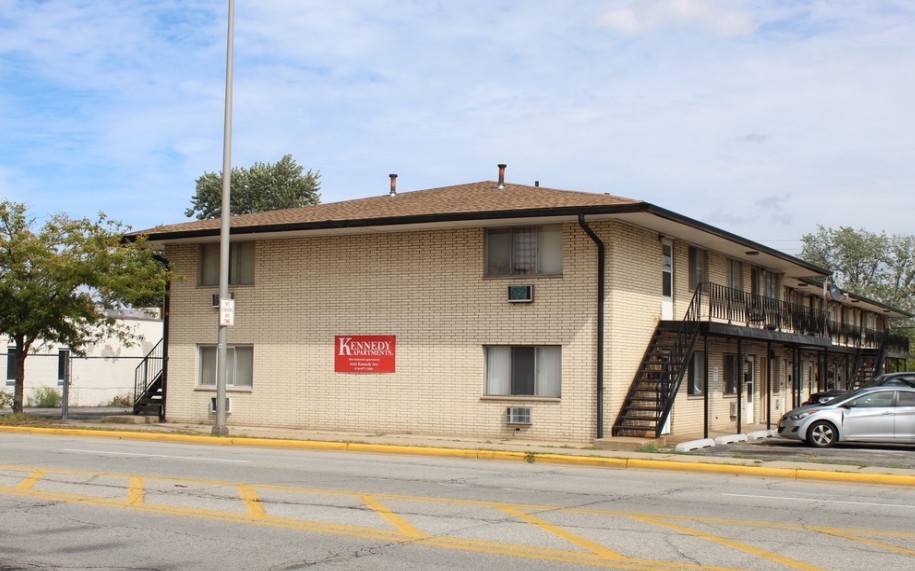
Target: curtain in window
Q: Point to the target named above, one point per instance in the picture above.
(551, 250)
(242, 263)
(498, 252)
(209, 264)
(208, 366)
(549, 372)
(498, 370)
(244, 366)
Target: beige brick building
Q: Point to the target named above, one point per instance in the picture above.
(501, 310)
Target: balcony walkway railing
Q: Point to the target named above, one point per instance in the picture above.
(735, 307)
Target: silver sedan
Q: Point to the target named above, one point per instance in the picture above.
(871, 414)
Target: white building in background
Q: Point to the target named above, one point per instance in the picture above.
(105, 374)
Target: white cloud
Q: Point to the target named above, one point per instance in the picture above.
(699, 106)
(712, 17)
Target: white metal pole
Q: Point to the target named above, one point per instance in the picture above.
(220, 428)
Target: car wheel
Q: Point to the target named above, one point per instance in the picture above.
(822, 434)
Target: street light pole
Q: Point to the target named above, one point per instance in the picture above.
(220, 428)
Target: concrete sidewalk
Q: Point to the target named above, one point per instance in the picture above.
(626, 453)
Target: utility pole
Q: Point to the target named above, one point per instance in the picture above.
(220, 428)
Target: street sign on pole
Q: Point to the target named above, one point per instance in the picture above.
(227, 312)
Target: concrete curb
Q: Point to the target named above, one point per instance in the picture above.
(835, 475)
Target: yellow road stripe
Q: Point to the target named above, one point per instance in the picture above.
(765, 554)
(874, 542)
(598, 555)
(578, 540)
(252, 502)
(32, 479)
(399, 523)
(135, 490)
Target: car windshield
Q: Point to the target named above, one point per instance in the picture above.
(892, 379)
(847, 396)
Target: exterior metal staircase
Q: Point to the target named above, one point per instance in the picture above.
(647, 406)
(149, 383)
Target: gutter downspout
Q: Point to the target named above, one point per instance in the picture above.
(166, 317)
(601, 295)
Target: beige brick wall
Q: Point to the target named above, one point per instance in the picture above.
(427, 289)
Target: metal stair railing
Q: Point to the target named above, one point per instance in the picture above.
(147, 372)
(682, 350)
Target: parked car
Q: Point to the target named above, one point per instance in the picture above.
(824, 396)
(902, 379)
(869, 414)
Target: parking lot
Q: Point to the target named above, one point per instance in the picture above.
(780, 449)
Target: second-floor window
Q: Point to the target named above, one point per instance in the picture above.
(698, 267)
(527, 250)
(735, 275)
(241, 264)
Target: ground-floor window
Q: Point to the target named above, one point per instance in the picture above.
(696, 374)
(523, 370)
(731, 372)
(239, 366)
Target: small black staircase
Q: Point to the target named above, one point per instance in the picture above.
(149, 385)
(647, 406)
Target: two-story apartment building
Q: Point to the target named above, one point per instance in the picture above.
(494, 309)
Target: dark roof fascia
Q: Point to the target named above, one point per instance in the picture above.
(674, 217)
(402, 220)
(628, 208)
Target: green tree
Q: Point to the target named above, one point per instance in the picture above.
(59, 284)
(877, 266)
(260, 188)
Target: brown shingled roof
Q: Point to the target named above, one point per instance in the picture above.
(466, 199)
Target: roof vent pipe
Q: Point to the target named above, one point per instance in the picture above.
(501, 176)
(393, 184)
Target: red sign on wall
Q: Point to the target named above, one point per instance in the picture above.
(364, 353)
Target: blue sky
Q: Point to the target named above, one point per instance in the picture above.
(764, 118)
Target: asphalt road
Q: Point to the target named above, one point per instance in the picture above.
(80, 502)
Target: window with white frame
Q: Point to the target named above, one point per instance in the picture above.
(698, 267)
(528, 250)
(696, 374)
(523, 370)
(241, 264)
(239, 366)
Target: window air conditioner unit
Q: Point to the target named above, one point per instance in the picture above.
(214, 301)
(213, 405)
(518, 415)
(521, 293)
(733, 409)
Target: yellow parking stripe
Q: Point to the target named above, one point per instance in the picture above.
(252, 502)
(400, 524)
(765, 554)
(858, 538)
(31, 480)
(578, 540)
(135, 491)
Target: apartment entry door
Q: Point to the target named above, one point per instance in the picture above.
(667, 280)
(750, 387)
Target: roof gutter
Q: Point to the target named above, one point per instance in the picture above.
(601, 295)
